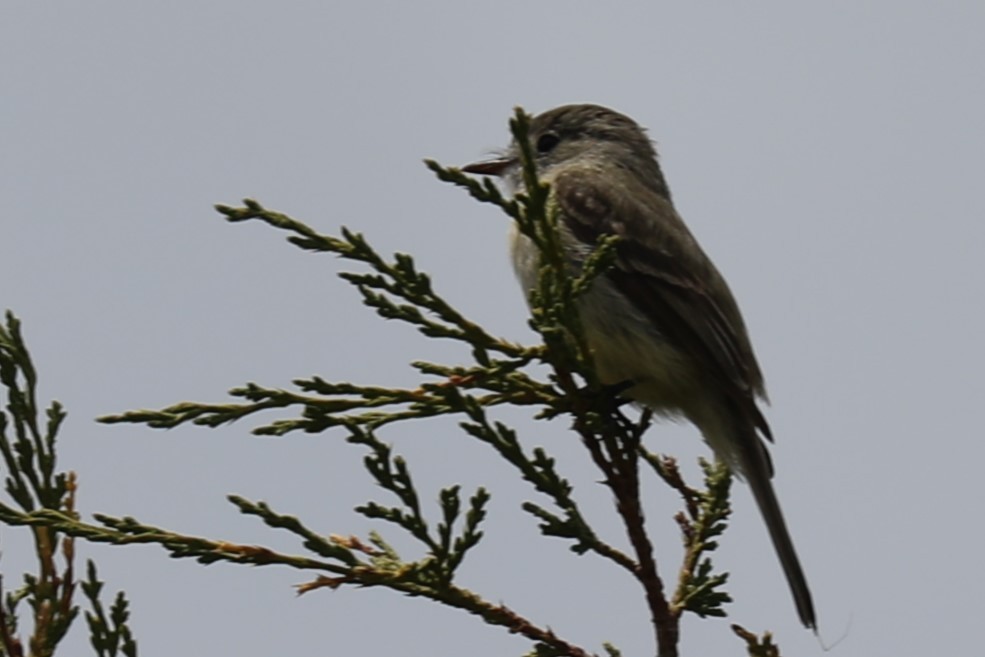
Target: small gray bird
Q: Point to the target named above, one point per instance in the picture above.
(662, 320)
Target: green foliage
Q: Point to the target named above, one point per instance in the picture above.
(757, 647)
(27, 443)
(109, 634)
(498, 373)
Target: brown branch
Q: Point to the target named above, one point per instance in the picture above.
(502, 615)
(453, 596)
(614, 449)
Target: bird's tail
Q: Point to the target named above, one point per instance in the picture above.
(758, 472)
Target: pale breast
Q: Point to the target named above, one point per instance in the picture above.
(626, 346)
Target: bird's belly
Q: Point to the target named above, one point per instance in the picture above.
(628, 347)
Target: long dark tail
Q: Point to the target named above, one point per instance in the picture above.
(758, 472)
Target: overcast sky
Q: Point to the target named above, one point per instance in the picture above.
(829, 156)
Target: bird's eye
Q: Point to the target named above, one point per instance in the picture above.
(546, 142)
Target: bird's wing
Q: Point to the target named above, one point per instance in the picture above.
(662, 270)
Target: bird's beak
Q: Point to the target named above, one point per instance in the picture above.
(497, 167)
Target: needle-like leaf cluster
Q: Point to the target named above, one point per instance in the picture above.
(496, 372)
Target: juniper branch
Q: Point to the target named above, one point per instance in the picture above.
(398, 278)
(498, 375)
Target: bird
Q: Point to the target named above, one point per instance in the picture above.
(661, 322)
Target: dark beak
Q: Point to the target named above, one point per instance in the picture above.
(496, 167)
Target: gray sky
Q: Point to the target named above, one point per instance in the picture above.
(827, 155)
